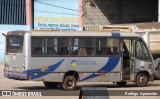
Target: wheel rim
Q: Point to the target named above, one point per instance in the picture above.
(70, 83)
(142, 80)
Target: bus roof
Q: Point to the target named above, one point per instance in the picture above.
(75, 33)
(83, 33)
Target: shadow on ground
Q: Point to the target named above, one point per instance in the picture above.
(112, 86)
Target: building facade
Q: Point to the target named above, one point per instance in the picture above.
(71, 15)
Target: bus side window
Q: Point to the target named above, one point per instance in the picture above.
(51, 46)
(64, 50)
(82, 52)
(37, 44)
(112, 46)
(64, 46)
(74, 51)
(115, 51)
(82, 46)
(107, 46)
(101, 46)
(88, 46)
(51, 51)
(109, 52)
(74, 46)
(37, 51)
(89, 50)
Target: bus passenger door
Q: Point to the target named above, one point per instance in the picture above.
(128, 59)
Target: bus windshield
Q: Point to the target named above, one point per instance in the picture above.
(14, 44)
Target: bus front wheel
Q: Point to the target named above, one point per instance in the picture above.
(69, 83)
(141, 80)
(51, 84)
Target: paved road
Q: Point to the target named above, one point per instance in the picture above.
(10, 84)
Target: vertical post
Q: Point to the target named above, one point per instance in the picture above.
(158, 10)
(29, 14)
(147, 38)
(80, 15)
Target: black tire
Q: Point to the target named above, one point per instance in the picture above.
(142, 80)
(51, 84)
(121, 84)
(69, 83)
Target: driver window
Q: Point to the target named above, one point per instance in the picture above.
(139, 51)
(142, 52)
(146, 54)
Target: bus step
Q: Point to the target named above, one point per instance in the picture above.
(126, 77)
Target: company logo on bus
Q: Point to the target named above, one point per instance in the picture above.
(74, 63)
(82, 63)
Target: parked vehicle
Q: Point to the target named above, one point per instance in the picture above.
(152, 39)
(58, 57)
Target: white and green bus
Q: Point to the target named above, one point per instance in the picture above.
(67, 57)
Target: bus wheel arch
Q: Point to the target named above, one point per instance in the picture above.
(72, 73)
(51, 84)
(70, 80)
(142, 78)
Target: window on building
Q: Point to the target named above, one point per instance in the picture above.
(13, 12)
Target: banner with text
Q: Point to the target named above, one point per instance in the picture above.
(56, 14)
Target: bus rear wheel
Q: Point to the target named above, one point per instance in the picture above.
(121, 84)
(141, 80)
(69, 83)
(51, 84)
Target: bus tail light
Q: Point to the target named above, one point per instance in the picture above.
(23, 67)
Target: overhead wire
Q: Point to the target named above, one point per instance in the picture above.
(55, 12)
(56, 6)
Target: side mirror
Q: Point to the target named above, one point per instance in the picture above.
(4, 34)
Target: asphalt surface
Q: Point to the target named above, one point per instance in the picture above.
(58, 93)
